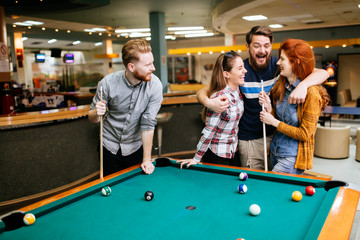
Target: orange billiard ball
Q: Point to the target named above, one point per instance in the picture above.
(29, 219)
(310, 190)
(296, 196)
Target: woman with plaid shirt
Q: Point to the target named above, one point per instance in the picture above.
(218, 143)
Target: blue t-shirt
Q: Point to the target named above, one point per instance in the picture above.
(250, 126)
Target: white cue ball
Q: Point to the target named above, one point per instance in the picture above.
(254, 209)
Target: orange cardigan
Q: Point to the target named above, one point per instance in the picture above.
(308, 115)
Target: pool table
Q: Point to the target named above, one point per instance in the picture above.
(200, 202)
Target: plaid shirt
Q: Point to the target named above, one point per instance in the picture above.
(220, 134)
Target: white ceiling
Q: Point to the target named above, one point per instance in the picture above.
(215, 15)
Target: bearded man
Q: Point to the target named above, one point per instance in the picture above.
(131, 99)
(260, 66)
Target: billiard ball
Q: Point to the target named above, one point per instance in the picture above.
(310, 190)
(243, 176)
(296, 196)
(106, 191)
(242, 188)
(254, 209)
(149, 195)
(29, 219)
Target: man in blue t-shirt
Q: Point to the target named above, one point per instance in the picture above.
(260, 66)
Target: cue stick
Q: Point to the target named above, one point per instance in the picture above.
(101, 140)
(264, 134)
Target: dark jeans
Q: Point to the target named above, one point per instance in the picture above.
(114, 163)
(210, 157)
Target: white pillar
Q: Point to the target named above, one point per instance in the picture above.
(230, 39)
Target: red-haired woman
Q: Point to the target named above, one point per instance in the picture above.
(292, 147)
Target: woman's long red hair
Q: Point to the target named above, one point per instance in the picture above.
(302, 59)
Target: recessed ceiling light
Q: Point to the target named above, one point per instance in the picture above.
(185, 28)
(276, 26)
(190, 32)
(28, 23)
(34, 22)
(52, 41)
(95, 30)
(76, 42)
(98, 44)
(137, 34)
(24, 39)
(254, 18)
(132, 30)
(199, 35)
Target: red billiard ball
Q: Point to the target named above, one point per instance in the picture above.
(310, 190)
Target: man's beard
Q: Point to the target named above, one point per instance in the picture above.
(259, 67)
(145, 78)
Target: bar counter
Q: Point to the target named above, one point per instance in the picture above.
(46, 152)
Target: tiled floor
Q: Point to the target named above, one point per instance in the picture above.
(347, 169)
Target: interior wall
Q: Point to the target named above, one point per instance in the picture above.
(349, 74)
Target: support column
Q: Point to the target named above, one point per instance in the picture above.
(4, 55)
(230, 39)
(19, 56)
(158, 45)
(108, 49)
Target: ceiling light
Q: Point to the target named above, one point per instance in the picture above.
(170, 37)
(211, 52)
(137, 34)
(34, 22)
(254, 18)
(359, 5)
(14, 25)
(24, 39)
(327, 46)
(90, 33)
(21, 24)
(56, 30)
(190, 32)
(98, 44)
(28, 23)
(344, 45)
(99, 29)
(95, 30)
(76, 42)
(185, 28)
(52, 41)
(68, 31)
(43, 28)
(132, 30)
(188, 53)
(199, 35)
(276, 26)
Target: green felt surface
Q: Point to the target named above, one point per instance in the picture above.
(221, 212)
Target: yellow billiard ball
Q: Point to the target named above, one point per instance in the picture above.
(296, 196)
(29, 219)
